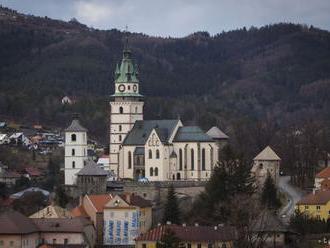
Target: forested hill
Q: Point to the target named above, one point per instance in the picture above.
(278, 72)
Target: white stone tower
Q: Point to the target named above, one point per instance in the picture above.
(75, 152)
(126, 106)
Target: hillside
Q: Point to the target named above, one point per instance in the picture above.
(279, 73)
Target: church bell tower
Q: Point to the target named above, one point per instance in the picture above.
(126, 106)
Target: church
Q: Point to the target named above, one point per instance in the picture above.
(147, 150)
(155, 150)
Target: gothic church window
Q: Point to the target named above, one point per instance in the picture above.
(180, 159)
(157, 154)
(150, 154)
(203, 159)
(192, 159)
(156, 171)
(151, 171)
(73, 137)
(129, 160)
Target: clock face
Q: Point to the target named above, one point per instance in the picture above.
(121, 88)
(134, 87)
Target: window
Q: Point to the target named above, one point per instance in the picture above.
(180, 159)
(119, 127)
(306, 207)
(73, 152)
(136, 109)
(192, 159)
(150, 154)
(119, 137)
(203, 159)
(157, 154)
(144, 245)
(1, 242)
(66, 241)
(188, 245)
(156, 171)
(318, 208)
(73, 164)
(261, 166)
(209, 246)
(54, 241)
(129, 160)
(151, 171)
(223, 245)
(73, 137)
(121, 110)
(199, 245)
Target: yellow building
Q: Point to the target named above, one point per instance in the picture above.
(316, 205)
(190, 236)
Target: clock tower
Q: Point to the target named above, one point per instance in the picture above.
(126, 106)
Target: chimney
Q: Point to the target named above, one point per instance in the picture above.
(168, 223)
(196, 224)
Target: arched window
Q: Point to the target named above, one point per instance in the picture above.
(119, 128)
(156, 171)
(119, 137)
(121, 110)
(129, 160)
(151, 171)
(150, 154)
(157, 153)
(73, 152)
(192, 159)
(73, 164)
(180, 159)
(203, 159)
(73, 137)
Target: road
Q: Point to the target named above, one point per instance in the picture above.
(293, 194)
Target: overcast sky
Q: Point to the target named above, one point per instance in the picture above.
(179, 17)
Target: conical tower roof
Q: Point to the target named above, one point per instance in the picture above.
(127, 71)
(216, 133)
(75, 126)
(267, 154)
(92, 169)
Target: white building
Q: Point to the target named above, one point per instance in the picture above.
(159, 150)
(267, 162)
(75, 151)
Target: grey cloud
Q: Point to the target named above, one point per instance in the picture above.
(179, 17)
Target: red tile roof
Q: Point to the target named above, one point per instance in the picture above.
(191, 233)
(99, 201)
(79, 211)
(317, 198)
(325, 173)
(61, 225)
(136, 200)
(13, 222)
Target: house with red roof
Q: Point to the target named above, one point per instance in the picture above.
(118, 219)
(189, 236)
(320, 177)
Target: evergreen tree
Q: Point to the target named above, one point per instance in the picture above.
(169, 240)
(269, 197)
(61, 197)
(172, 211)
